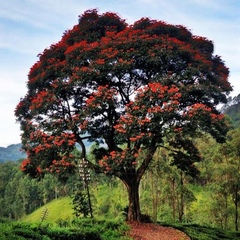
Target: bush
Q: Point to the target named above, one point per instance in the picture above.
(78, 229)
(197, 232)
(108, 230)
(72, 234)
(26, 231)
(63, 223)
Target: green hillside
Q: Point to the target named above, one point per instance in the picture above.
(61, 209)
(57, 209)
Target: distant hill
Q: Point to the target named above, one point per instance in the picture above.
(12, 152)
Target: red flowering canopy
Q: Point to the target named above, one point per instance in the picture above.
(132, 87)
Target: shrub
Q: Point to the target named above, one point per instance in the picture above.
(26, 231)
(63, 223)
(72, 234)
(79, 229)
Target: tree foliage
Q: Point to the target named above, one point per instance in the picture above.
(133, 88)
(232, 109)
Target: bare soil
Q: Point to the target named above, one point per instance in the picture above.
(151, 231)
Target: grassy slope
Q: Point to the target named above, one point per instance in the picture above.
(62, 209)
(58, 209)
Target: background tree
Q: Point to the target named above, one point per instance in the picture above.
(170, 195)
(7, 172)
(132, 87)
(219, 182)
(232, 109)
(230, 152)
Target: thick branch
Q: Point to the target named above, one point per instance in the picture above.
(141, 170)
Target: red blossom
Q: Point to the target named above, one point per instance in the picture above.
(100, 61)
(25, 164)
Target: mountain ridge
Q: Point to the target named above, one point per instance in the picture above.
(12, 152)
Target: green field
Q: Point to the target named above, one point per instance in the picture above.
(61, 214)
(58, 209)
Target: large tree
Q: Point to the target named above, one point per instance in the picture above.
(134, 88)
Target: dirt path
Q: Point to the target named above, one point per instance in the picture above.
(151, 231)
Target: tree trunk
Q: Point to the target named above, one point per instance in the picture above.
(236, 208)
(132, 186)
(173, 199)
(131, 179)
(154, 198)
(181, 200)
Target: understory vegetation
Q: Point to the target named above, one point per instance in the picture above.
(76, 229)
(92, 229)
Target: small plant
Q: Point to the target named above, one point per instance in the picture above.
(81, 204)
(63, 223)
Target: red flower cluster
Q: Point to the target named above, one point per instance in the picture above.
(116, 159)
(41, 98)
(25, 163)
(198, 108)
(60, 166)
(103, 95)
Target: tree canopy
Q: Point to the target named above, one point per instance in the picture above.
(132, 88)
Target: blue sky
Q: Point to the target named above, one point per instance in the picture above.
(27, 27)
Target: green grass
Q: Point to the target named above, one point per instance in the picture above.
(61, 214)
(58, 209)
(197, 232)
